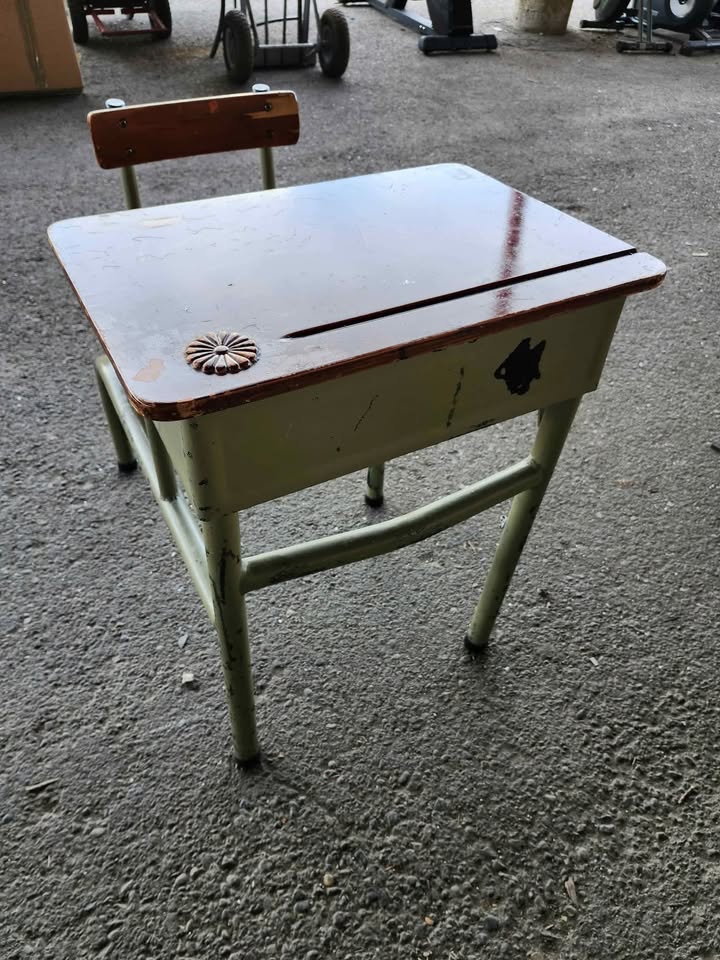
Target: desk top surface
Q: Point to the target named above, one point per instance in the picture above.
(328, 277)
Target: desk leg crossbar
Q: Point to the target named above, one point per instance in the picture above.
(211, 547)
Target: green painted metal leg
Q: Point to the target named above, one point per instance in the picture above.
(374, 495)
(164, 472)
(553, 429)
(125, 456)
(222, 548)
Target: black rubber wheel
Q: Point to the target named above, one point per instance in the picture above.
(681, 15)
(78, 20)
(238, 46)
(609, 9)
(162, 9)
(334, 44)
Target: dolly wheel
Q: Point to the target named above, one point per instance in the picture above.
(162, 9)
(334, 46)
(238, 46)
(78, 20)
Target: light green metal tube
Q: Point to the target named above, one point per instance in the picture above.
(123, 450)
(222, 548)
(554, 427)
(337, 550)
(178, 516)
(267, 166)
(374, 495)
(130, 188)
(167, 485)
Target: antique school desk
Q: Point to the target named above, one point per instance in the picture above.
(261, 343)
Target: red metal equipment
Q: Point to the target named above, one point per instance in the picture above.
(157, 12)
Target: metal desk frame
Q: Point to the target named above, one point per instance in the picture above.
(477, 362)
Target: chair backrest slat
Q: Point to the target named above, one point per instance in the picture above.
(125, 136)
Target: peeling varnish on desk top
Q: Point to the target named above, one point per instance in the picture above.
(151, 372)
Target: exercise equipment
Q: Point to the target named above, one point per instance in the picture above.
(704, 38)
(450, 26)
(644, 43)
(157, 11)
(680, 16)
(247, 42)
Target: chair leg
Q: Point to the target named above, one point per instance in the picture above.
(222, 548)
(374, 495)
(125, 456)
(554, 426)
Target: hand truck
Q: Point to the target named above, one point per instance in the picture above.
(247, 42)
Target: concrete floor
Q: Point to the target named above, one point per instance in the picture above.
(559, 798)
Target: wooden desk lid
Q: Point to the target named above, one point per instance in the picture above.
(327, 278)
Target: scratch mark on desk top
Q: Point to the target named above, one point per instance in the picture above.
(160, 222)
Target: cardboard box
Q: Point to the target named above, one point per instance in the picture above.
(37, 54)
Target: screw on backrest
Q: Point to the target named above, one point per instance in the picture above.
(129, 178)
(127, 174)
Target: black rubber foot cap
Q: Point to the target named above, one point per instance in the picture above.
(472, 648)
(252, 764)
(130, 467)
(374, 501)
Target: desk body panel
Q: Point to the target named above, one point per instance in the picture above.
(264, 450)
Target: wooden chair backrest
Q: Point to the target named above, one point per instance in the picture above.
(125, 136)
